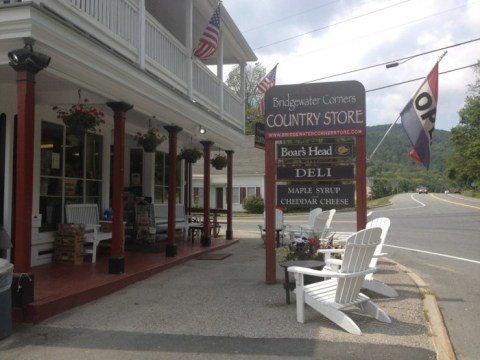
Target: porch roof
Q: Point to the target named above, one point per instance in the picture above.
(106, 69)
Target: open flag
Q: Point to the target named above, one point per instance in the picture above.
(208, 43)
(418, 117)
(267, 82)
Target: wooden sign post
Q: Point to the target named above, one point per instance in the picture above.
(328, 110)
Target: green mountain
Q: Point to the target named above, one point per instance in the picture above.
(392, 163)
(396, 145)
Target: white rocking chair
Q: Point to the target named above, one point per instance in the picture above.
(329, 297)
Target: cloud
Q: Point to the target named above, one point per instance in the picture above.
(311, 40)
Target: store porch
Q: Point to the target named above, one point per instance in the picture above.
(62, 286)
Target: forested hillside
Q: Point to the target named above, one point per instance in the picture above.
(395, 147)
(396, 171)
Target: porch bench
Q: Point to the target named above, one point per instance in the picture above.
(160, 212)
(88, 215)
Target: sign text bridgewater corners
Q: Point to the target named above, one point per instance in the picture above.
(313, 110)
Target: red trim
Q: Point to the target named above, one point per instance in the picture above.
(361, 182)
(118, 233)
(229, 232)
(270, 200)
(24, 176)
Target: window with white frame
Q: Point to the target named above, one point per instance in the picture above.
(161, 179)
(239, 193)
(70, 172)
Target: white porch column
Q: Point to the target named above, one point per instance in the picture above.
(189, 44)
(141, 34)
(242, 86)
(220, 73)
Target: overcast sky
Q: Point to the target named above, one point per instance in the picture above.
(313, 39)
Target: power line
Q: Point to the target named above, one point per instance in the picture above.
(331, 25)
(404, 24)
(392, 61)
(420, 78)
(289, 16)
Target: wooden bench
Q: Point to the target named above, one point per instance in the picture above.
(160, 212)
(88, 215)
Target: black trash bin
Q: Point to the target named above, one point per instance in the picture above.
(6, 276)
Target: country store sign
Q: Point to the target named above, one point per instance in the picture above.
(313, 110)
(309, 173)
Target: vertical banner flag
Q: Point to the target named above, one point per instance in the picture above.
(209, 39)
(267, 82)
(418, 117)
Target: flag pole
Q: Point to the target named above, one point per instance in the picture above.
(381, 141)
(269, 72)
(441, 56)
(391, 126)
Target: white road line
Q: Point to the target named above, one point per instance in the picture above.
(418, 201)
(432, 253)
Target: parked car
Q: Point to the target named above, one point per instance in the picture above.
(457, 191)
(422, 190)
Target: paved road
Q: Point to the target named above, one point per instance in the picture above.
(437, 237)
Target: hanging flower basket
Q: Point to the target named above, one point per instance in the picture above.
(190, 155)
(150, 140)
(81, 117)
(219, 162)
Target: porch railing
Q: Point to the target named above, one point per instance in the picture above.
(138, 36)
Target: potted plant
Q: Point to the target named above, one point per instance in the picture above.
(306, 248)
(219, 162)
(190, 155)
(81, 117)
(149, 140)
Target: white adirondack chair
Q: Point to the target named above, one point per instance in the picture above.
(323, 223)
(329, 297)
(344, 235)
(370, 282)
(298, 231)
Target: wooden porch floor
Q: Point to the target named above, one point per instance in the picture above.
(60, 287)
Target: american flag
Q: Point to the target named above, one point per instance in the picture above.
(209, 39)
(268, 81)
(261, 106)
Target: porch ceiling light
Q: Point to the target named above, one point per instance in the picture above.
(202, 130)
(27, 59)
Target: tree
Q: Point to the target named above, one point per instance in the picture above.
(253, 75)
(464, 163)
